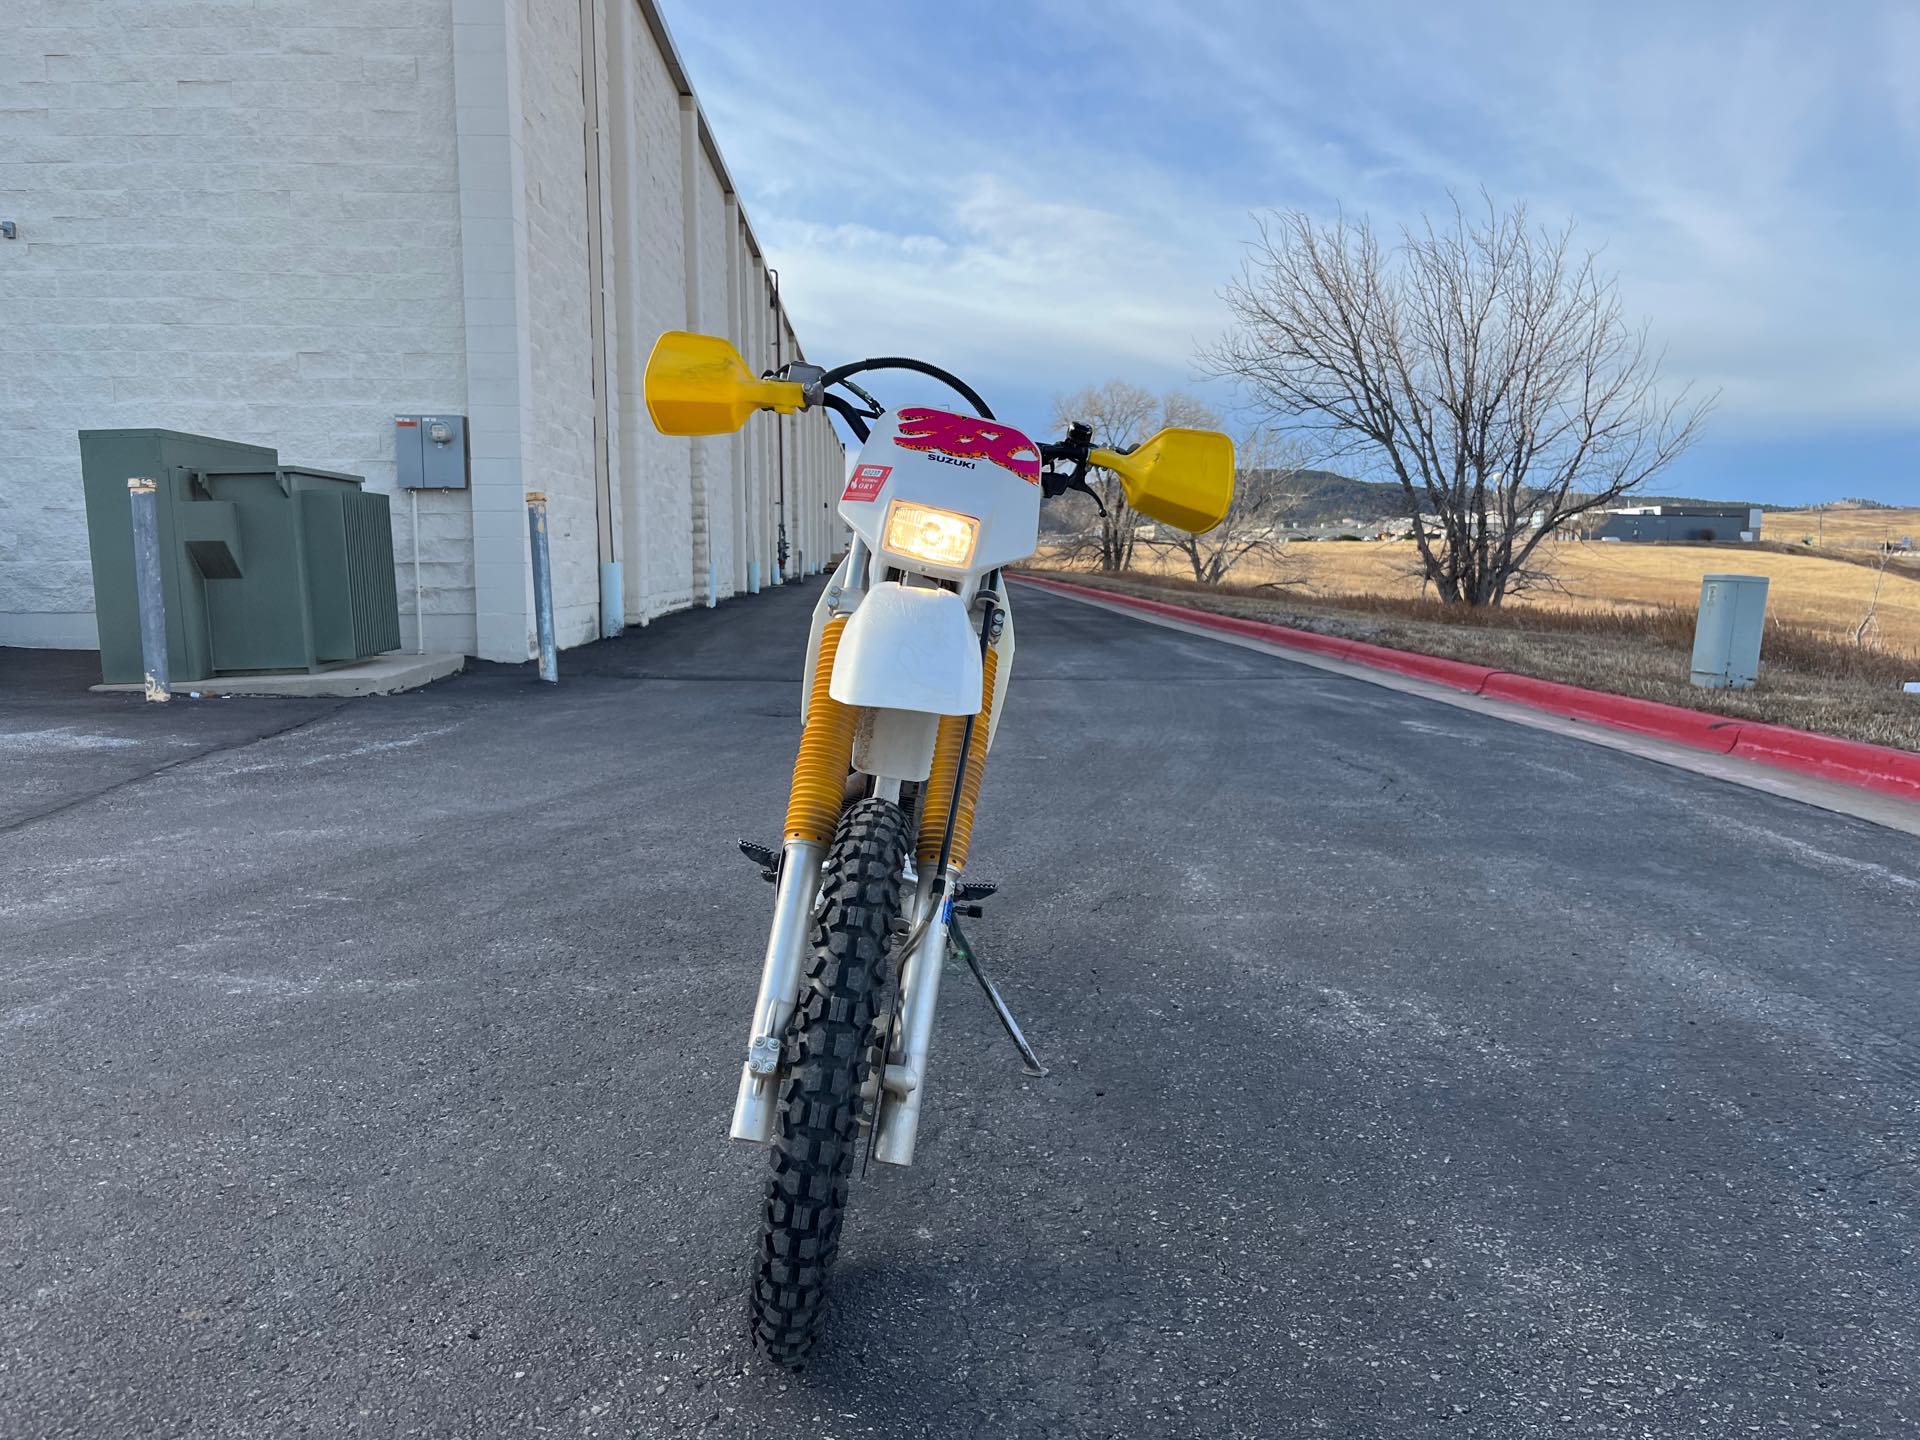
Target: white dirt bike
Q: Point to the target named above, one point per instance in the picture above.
(905, 682)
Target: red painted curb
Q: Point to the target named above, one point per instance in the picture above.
(1850, 762)
(1460, 674)
(1622, 712)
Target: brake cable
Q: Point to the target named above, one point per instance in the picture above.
(839, 374)
(874, 408)
(856, 422)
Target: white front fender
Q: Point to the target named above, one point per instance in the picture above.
(909, 648)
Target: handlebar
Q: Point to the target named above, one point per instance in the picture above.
(841, 373)
(701, 385)
(1076, 449)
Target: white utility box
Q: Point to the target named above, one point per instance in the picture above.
(1726, 639)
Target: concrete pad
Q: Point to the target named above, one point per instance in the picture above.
(382, 675)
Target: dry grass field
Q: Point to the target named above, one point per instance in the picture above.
(1851, 529)
(1828, 594)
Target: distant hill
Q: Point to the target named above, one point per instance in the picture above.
(1851, 503)
(1328, 497)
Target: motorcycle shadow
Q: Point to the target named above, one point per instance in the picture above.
(1027, 1321)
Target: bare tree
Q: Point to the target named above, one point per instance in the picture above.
(1483, 364)
(1863, 632)
(1121, 416)
(1266, 487)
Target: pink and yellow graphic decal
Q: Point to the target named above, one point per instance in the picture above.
(967, 437)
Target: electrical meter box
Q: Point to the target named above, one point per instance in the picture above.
(1726, 638)
(430, 452)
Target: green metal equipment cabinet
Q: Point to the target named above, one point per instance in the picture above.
(263, 566)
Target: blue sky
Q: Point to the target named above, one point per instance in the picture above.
(1051, 194)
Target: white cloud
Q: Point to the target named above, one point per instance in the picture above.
(1750, 170)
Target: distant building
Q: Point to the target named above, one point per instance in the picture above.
(1701, 524)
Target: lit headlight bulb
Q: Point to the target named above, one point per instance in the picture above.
(924, 532)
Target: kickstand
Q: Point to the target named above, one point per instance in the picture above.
(958, 939)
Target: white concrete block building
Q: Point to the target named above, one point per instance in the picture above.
(287, 223)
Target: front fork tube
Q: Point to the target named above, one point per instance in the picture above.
(758, 1103)
(756, 1106)
(905, 1080)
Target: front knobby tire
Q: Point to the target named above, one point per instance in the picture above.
(832, 1046)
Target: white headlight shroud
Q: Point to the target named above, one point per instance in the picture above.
(953, 513)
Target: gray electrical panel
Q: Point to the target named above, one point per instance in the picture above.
(430, 452)
(1726, 638)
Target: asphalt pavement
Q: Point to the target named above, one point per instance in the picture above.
(365, 1068)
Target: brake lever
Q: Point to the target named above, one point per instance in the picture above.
(1053, 483)
(1075, 448)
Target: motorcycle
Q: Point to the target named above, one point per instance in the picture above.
(905, 683)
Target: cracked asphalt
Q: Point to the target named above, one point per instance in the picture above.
(365, 1068)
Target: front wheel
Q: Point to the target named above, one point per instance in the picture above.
(832, 1045)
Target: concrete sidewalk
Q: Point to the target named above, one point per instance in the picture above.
(388, 674)
(366, 1066)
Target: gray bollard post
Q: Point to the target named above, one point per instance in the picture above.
(143, 500)
(542, 584)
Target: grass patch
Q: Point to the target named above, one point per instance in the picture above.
(1809, 677)
(1827, 590)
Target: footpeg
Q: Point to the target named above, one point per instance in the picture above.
(967, 898)
(765, 856)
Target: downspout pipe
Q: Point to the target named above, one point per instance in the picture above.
(779, 432)
(613, 613)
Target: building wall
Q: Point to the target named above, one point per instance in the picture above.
(1679, 527)
(716, 490)
(655, 476)
(237, 220)
(559, 445)
(806, 525)
(752, 286)
(758, 349)
(283, 224)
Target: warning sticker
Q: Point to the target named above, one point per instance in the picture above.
(866, 481)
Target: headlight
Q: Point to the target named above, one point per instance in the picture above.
(938, 537)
